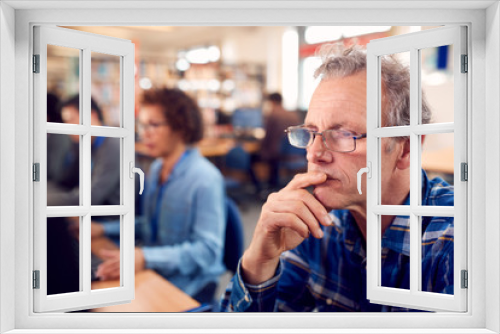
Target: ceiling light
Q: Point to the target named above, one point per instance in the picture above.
(145, 83)
(182, 65)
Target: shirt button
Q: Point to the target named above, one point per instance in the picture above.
(329, 301)
(246, 298)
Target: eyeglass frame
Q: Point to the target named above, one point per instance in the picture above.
(142, 128)
(314, 133)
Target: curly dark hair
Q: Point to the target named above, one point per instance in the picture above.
(181, 112)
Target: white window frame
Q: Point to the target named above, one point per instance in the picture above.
(414, 297)
(85, 43)
(483, 20)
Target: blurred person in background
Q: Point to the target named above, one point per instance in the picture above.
(308, 252)
(277, 119)
(182, 227)
(105, 163)
(63, 180)
(58, 146)
(62, 249)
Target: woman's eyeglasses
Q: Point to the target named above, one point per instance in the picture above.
(153, 127)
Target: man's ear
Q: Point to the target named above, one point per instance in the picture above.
(403, 160)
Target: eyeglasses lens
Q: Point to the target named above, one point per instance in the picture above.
(299, 137)
(338, 142)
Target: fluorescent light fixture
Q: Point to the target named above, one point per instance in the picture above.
(228, 85)
(309, 84)
(320, 34)
(145, 83)
(213, 85)
(203, 55)
(182, 65)
(290, 69)
(363, 30)
(184, 85)
(213, 53)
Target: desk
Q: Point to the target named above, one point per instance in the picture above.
(212, 147)
(153, 293)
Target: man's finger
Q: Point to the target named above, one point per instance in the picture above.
(292, 222)
(107, 269)
(316, 208)
(302, 211)
(305, 180)
(109, 253)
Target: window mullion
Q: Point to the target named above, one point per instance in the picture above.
(414, 170)
(107, 131)
(85, 167)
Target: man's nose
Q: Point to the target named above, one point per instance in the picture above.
(317, 151)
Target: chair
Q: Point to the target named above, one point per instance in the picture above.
(292, 159)
(233, 250)
(237, 169)
(237, 163)
(233, 246)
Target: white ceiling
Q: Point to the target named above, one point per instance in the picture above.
(255, 4)
(161, 41)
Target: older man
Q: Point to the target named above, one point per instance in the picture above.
(308, 252)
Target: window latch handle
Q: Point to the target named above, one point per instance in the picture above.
(368, 171)
(141, 175)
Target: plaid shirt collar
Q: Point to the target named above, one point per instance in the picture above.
(397, 235)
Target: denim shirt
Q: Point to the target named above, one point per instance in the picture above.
(329, 274)
(188, 249)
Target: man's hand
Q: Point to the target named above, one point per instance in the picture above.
(96, 230)
(287, 218)
(140, 262)
(110, 268)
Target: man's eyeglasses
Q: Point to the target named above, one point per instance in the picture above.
(153, 127)
(334, 140)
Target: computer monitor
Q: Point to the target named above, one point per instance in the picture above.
(247, 118)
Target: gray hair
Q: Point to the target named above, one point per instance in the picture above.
(339, 61)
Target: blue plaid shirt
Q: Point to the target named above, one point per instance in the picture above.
(329, 274)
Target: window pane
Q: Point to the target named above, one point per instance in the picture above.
(437, 254)
(106, 87)
(437, 84)
(105, 171)
(63, 169)
(437, 161)
(63, 83)
(63, 255)
(396, 87)
(395, 254)
(105, 258)
(390, 168)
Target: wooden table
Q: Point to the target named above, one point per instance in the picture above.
(153, 293)
(212, 147)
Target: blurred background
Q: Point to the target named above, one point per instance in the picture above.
(230, 72)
